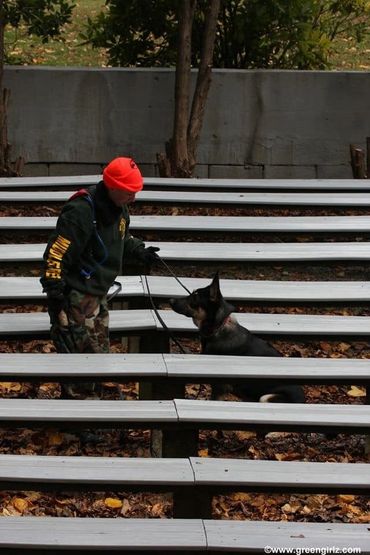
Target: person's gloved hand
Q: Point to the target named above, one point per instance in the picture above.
(57, 302)
(149, 255)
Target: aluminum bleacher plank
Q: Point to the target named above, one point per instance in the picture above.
(22, 288)
(298, 224)
(107, 471)
(97, 413)
(50, 181)
(157, 182)
(264, 290)
(220, 198)
(273, 416)
(186, 413)
(17, 288)
(253, 536)
(107, 366)
(38, 322)
(23, 366)
(33, 323)
(178, 534)
(292, 475)
(101, 534)
(222, 252)
(200, 471)
(282, 368)
(281, 324)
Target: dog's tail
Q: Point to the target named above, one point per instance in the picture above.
(272, 398)
(287, 394)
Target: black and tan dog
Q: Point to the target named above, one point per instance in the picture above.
(221, 334)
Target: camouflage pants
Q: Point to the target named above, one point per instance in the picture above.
(88, 325)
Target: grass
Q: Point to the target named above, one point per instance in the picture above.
(66, 50)
(349, 55)
(69, 50)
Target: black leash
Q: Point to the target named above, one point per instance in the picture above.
(162, 322)
(173, 275)
(156, 311)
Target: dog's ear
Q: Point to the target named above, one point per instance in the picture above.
(214, 291)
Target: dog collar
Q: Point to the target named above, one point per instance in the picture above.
(214, 330)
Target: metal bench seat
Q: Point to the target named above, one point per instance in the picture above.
(212, 198)
(143, 320)
(111, 535)
(185, 414)
(33, 535)
(127, 367)
(61, 472)
(223, 252)
(234, 224)
(253, 537)
(29, 288)
(180, 183)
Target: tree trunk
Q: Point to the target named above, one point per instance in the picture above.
(203, 82)
(178, 145)
(180, 158)
(6, 169)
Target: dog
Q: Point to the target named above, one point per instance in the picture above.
(221, 334)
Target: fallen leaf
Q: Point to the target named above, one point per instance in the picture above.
(354, 510)
(325, 346)
(126, 507)
(240, 496)
(337, 355)
(245, 436)
(113, 503)
(20, 504)
(157, 509)
(356, 391)
(343, 347)
(55, 438)
(10, 386)
(289, 456)
(364, 518)
(346, 498)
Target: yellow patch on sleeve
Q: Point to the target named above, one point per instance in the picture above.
(122, 227)
(55, 257)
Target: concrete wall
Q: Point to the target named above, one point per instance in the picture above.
(273, 124)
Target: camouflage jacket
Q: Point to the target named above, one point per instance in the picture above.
(82, 257)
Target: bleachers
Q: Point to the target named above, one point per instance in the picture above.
(192, 480)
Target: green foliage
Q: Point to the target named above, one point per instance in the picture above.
(43, 18)
(136, 32)
(251, 33)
